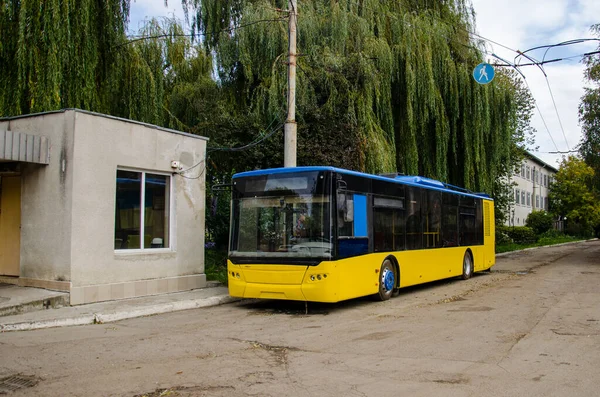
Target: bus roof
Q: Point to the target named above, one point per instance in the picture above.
(418, 181)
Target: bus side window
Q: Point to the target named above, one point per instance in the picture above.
(479, 221)
(449, 220)
(388, 224)
(414, 235)
(466, 221)
(432, 216)
(468, 230)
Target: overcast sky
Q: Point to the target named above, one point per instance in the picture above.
(518, 25)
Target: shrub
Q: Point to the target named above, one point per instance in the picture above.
(579, 230)
(502, 236)
(521, 234)
(539, 221)
(552, 233)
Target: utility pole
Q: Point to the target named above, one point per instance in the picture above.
(290, 128)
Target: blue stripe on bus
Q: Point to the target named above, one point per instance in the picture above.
(360, 215)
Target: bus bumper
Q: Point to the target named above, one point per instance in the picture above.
(285, 282)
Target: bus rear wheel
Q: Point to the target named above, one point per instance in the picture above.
(467, 266)
(387, 280)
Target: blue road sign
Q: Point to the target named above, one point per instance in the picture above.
(483, 73)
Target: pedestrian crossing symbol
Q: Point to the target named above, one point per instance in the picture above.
(483, 73)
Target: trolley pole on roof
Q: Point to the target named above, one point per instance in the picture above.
(290, 127)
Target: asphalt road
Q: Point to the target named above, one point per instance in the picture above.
(531, 327)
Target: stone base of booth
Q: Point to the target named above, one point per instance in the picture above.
(134, 289)
(63, 286)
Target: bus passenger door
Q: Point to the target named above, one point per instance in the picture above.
(353, 238)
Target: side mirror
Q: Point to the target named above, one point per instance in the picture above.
(349, 211)
(345, 205)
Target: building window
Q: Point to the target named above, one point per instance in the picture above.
(529, 199)
(545, 180)
(546, 203)
(522, 170)
(537, 201)
(142, 210)
(517, 196)
(523, 197)
(528, 173)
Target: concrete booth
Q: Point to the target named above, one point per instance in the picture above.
(101, 207)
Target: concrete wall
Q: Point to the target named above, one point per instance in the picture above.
(101, 145)
(46, 200)
(68, 208)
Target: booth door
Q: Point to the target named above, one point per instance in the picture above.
(10, 225)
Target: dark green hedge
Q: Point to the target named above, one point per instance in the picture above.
(516, 234)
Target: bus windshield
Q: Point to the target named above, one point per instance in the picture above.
(286, 219)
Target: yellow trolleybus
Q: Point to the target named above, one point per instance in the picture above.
(325, 234)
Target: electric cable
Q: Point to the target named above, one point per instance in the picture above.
(541, 116)
(229, 149)
(159, 36)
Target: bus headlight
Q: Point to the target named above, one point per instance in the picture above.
(317, 277)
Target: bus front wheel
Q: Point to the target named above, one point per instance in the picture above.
(467, 266)
(387, 280)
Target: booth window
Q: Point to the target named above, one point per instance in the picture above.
(142, 210)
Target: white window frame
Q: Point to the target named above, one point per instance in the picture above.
(171, 213)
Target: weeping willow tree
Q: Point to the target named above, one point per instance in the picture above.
(391, 78)
(54, 52)
(75, 53)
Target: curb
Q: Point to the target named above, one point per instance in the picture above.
(54, 302)
(544, 246)
(101, 318)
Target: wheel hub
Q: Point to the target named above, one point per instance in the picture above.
(387, 279)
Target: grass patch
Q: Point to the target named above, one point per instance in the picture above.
(500, 248)
(215, 265)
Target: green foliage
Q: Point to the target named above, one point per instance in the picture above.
(57, 53)
(560, 238)
(572, 196)
(589, 114)
(215, 265)
(520, 234)
(382, 86)
(502, 236)
(550, 234)
(389, 80)
(540, 221)
(579, 229)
